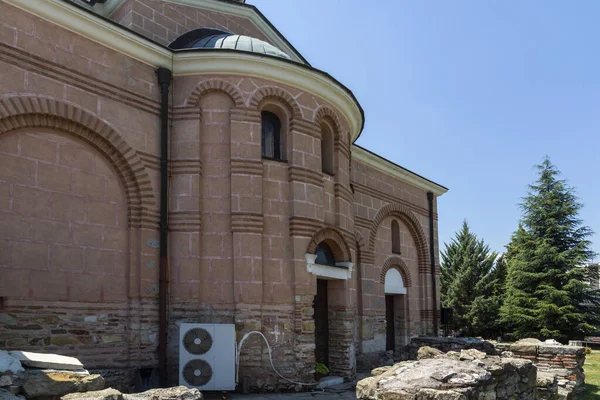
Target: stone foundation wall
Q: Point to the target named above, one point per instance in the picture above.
(563, 362)
(560, 368)
(117, 338)
(468, 375)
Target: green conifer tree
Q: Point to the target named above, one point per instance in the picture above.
(468, 281)
(546, 291)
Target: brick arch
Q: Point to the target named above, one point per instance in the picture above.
(325, 113)
(277, 93)
(18, 112)
(214, 85)
(399, 264)
(409, 218)
(332, 236)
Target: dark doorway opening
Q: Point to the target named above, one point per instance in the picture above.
(390, 334)
(321, 316)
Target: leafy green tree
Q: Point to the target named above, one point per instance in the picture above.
(469, 281)
(546, 291)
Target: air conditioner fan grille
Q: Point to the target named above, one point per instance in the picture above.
(197, 372)
(197, 341)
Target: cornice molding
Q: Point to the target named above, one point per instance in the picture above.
(381, 164)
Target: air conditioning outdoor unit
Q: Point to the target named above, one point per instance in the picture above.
(207, 356)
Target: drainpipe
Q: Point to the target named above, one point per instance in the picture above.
(164, 81)
(432, 258)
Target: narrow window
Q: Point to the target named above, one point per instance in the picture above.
(326, 149)
(395, 237)
(271, 136)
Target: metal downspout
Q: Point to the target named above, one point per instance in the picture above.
(164, 81)
(432, 259)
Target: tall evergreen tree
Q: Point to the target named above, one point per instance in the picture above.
(484, 314)
(546, 291)
(468, 280)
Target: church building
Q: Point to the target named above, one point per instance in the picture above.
(169, 162)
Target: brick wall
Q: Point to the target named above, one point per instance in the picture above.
(79, 137)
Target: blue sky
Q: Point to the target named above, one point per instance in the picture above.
(470, 94)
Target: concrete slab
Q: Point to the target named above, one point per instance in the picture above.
(49, 361)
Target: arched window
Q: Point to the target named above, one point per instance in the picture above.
(271, 136)
(326, 149)
(324, 255)
(395, 237)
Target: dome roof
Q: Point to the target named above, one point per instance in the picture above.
(215, 39)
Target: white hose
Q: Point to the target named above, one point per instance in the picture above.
(237, 360)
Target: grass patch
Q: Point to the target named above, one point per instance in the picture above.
(592, 376)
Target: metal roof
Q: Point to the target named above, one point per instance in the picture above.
(206, 38)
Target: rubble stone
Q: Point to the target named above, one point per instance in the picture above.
(174, 393)
(6, 395)
(106, 394)
(428, 352)
(448, 378)
(58, 383)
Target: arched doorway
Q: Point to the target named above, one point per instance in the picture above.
(328, 259)
(395, 310)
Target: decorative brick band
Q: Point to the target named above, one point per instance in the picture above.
(150, 218)
(246, 167)
(185, 221)
(150, 160)
(342, 148)
(306, 127)
(343, 192)
(361, 222)
(334, 238)
(305, 175)
(246, 115)
(301, 226)
(214, 85)
(44, 112)
(406, 216)
(186, 113)
(399, 264)
(279, 94)
(186, 166)
(247, 222)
